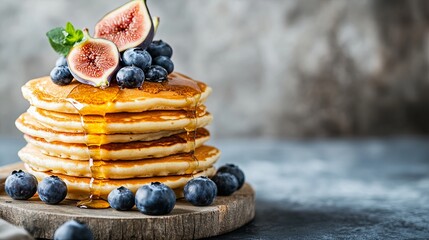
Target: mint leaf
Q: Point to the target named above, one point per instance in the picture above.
(70, 28)
(75, 37)
(79, 35)
(60, 48)
(56, 35)
(63, 39)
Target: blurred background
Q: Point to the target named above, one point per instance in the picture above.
(279, 68)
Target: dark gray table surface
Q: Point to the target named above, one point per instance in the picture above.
(327, 189)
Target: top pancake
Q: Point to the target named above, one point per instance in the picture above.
(179, 92)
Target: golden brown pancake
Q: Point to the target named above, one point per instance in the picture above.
(123, 151)
(179, 92)
(120, 137)
(30, 126)
(79, 187)
(179, 164)
(143, 122)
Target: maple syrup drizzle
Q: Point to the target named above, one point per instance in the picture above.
(191, 113)
(95, 135)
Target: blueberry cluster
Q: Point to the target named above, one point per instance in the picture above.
(229, 178)
(21, 185)
(158, 199)
(61, 74)
(153, 64)
(151, 199)
(201, 191)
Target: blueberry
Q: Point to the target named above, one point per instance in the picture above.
(21, 185)
(61, 75)
(121, 199)
(61, 61)
(200, 191)
(160, 48)
(73, 229)
(226, 183)
(52, 190)
(155, 199)
(234, 170)
(156, 74)
(130, 77)
(164, 62)
(137, 57)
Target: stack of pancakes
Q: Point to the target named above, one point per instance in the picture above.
(100, 139)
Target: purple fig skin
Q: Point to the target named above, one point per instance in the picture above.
(105, 79)
(149, 37)
(145, 44)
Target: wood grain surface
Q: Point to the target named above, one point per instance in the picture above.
(185, 222)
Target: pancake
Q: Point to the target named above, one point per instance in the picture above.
(179, 92)
(123, 151)
(79, 187)
(205, 157)
(133, 136)
(30, 126)
(142, 122)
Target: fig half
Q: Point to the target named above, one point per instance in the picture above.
(128, 26)
(94, 61)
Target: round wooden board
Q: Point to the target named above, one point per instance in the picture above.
(185, 222)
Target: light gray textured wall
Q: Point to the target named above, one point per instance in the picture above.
(279, 68)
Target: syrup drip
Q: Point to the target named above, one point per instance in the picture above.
(191, 113)
(191, 135)
(95, 135)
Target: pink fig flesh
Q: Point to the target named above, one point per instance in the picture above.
(128, 26)
(94, 61)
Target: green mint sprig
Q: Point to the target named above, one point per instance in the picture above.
(63, 39)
